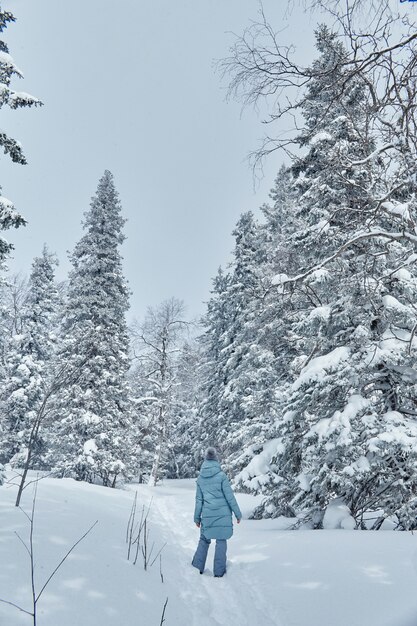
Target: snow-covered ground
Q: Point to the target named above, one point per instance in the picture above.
(274, 577)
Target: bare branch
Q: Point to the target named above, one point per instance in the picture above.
(64, 559)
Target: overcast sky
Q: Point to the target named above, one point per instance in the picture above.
(130, 86)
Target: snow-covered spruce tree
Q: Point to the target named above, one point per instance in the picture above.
(43, 306)
(272, 316)
(13, 293)
(213, 365)
(157, 346)
(348, 429)
(239, 368)
(29, 361)
(186, 452)
(93, 424)
(9, 217)
(20, 398)
(247, 403)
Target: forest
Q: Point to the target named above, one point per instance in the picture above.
(302, 371)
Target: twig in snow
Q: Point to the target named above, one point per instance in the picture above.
(163, 613)
(160, 568)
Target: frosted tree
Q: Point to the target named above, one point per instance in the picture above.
(9, 216)
(216, 321)
(20, 398)
(92, 413)
(157, 345)
(29, 361)
(43, 306)
(272, 344)
(13, 293)
(13, 296)
(247, 344)
(187, 426)
(347, 428)
(247, 401)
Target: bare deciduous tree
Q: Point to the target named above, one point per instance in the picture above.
(157, 343)
(381, 55)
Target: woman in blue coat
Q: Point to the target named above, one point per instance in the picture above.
(214, 504)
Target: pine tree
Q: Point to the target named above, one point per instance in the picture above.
(213, 367)
(13, 293)
(247, 403)
(347, 429)
(29, 362)
(186, 457)
(43, 306)
(240, 368)
(92, 412)
(272, 315)
(9, 216)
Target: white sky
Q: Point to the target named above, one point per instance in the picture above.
(130, 86)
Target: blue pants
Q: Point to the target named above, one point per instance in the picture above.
(200, 556)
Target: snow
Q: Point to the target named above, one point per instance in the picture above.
(318, 367)
(403, 274)
(397, 432)
(321, 313)
(319, 137)
(340, 421)
(257, 472)
(320, 276)
(398, 209)
(21, 97)
(322, 226)
(361, 465)
(337, 515)
(7, 60)
(411, 259)
(90, 446)
(275, 577)
(390, 302)
(7, 204)
(279, 279)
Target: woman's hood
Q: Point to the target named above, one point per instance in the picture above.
(210, 469)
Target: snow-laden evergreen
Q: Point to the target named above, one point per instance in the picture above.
(93, 423)
(187, 425)
(327, 330)
(247, 399)
(29, 361)
(9, 216)
(213, 367)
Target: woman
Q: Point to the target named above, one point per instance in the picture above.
(214, 503)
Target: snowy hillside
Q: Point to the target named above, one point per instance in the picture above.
(275, 577)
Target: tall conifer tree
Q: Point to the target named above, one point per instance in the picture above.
(93, 429)
(29, 362)
(347, 428)
(9, 216)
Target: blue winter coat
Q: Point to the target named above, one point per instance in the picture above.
(214, 502)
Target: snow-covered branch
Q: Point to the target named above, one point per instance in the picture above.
(281, 280)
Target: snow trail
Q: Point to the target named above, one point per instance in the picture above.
(234, 599)
(274, 577)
